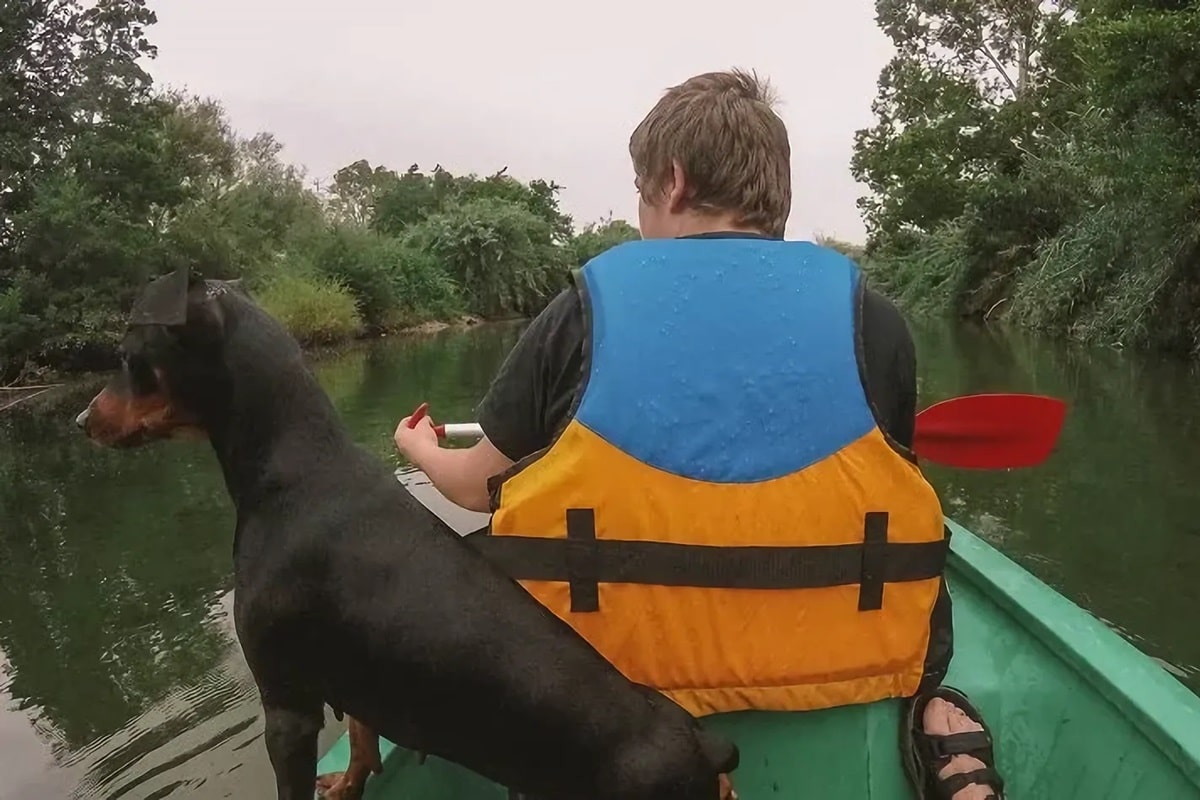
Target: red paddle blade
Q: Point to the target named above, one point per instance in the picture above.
(990, 431)
(419, 415)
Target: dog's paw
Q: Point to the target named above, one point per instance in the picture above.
(337, 786)
(727, 790)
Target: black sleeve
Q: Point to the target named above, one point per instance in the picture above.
(889, 366)
(531, 396)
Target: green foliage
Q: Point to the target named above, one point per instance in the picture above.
(503, 255)
(596, 237)
(398, 201)
(105, 182)
(314, 310)
(363, 262)
(853, 251)
(393, 282)
(1123, 271)
(423, 288)
(1063, 199)
(61, 65)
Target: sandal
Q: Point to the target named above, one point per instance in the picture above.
(927, 754)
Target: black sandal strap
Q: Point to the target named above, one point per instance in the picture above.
(955, 744)
(951, 784)
(925, 749)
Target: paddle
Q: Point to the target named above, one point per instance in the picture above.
(981, 431)
(990, 431)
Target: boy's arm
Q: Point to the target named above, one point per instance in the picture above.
(460, 475)
(890, 366)
(526, 403)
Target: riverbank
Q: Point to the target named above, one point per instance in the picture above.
(44, 389)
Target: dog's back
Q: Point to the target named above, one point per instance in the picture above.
(350, 592)
(430, 645)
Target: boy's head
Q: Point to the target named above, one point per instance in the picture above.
(713, 155)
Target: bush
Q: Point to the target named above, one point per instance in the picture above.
(423, 289)
(856, 253)
(392, 281)
(1124, 270)
(316, 310)
(928, 275)
(502, 255)
(360, 261)
(596, 237)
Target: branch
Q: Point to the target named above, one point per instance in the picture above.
(983, 48)
(13, 403)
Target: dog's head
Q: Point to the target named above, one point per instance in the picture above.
(171, 361)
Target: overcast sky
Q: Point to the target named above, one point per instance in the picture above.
(551, 89)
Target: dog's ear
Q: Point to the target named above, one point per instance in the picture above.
(206, 311)
(163, 302)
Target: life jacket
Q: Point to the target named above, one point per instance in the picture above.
(722, 518)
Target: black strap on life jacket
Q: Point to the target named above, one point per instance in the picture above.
(584, 562)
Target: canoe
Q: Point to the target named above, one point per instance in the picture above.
(1076, 710)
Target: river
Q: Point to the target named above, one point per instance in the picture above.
(119, 673)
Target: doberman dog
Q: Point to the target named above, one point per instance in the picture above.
(350, 592)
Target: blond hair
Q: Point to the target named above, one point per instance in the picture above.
(722, 129)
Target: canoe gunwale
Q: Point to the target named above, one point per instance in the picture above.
(1164, 710)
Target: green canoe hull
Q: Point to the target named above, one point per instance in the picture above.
(1076, 711)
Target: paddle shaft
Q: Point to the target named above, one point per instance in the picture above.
(983, 431)
(459, 430)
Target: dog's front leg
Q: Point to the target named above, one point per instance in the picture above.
(291, 734)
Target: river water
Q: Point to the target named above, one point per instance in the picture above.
(119, 673)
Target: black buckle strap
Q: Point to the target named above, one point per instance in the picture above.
(987, 776)
(957, 744)
(584, 562)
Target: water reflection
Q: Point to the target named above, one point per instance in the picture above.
(1111, 520)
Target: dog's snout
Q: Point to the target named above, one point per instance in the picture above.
(82, 419)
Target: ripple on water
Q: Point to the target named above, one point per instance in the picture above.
(188, 740)
(201, 741)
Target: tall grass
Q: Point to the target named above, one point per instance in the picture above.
(314, 309)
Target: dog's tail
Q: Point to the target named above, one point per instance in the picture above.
(719, 751)
(716, 749)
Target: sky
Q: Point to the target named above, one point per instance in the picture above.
(548, 89)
